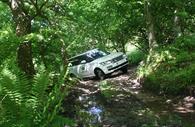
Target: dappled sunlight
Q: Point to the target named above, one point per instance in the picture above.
(121, 99)
(6, 72)
(126, 83)
(154, 60)
(187, 105)
(113, 96)
(183, 110)
(141, 52)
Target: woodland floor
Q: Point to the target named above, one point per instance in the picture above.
(129, 105)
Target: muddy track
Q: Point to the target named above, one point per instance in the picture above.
(124, 103)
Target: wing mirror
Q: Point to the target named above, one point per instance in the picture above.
(70, 65)
(83, 61)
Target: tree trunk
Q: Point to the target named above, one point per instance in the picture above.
(177, 26)
(23, 27)
(151, 30)
(64, 56)
(42, 53)
(123, 42)
(24, 58)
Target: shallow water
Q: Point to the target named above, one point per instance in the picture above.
(128, 105)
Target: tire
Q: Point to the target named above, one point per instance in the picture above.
(72, 75)
(99, 74)
(124, 69)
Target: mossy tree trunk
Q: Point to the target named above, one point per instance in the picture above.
(150, 26)
(178, 31)
(23, 26)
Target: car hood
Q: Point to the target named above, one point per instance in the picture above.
(109, 57)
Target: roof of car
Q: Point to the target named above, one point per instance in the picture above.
(81, 54)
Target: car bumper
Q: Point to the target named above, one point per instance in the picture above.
(116, 68)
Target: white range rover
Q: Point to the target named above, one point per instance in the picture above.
(96, 63)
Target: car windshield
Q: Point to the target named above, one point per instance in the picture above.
(88, 56)
(95, 54)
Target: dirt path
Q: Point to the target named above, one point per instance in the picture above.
(120, 101)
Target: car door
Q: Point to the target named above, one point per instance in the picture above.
(74, 65)
(82, 70)
(82, 67)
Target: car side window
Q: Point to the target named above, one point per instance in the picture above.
(76, 61)
(82, 58)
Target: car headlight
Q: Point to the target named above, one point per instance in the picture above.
(106, 62)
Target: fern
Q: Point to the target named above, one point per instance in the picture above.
(26, 103)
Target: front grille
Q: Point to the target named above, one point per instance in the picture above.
(117, 58)
(121, 65)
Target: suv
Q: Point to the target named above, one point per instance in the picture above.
(96, 63)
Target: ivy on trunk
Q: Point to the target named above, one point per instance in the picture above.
(23, 27)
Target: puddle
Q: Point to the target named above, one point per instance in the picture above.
(96, 112)
(128, 106)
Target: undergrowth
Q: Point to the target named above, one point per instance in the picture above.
(170, 69)
(31, 103)
(135, 57)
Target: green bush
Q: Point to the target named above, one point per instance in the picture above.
(170, 69)
(135, 57)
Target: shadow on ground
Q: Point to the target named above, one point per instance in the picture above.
(120, 101)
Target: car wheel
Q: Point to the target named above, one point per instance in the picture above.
(100, 74)
(72, 75)
(124, 69)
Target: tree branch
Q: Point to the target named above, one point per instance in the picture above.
(34, 4)
(38, 9)
(5, 1)
(23, 7)
(43, 4)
